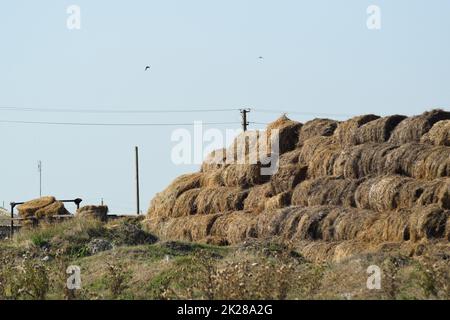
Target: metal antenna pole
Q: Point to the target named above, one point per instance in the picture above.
(40, 177)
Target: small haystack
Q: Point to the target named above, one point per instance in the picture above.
(412, 129)
(96, 212)
(439, 135)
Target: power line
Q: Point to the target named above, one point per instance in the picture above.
(112, 111)
(111, 124)
(304, 113)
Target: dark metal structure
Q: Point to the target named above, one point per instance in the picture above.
(77, 202)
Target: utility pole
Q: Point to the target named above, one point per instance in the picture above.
(245, 123)
(40, 177)
(138, 209)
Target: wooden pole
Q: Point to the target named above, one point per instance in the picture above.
(138, 209)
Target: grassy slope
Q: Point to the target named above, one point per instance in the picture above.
(139, 268)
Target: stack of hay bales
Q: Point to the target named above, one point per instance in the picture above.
(340, 188)
(42, 208)
(95, 212)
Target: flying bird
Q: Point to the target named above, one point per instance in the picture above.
(260, 57)
(147, 68)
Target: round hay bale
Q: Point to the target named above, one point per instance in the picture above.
(55, 209)
(244, 176)
(96, 212)
(220, 200)
(346, 131)
(288, 133)
(393, 192)
(317, 128)
(235, 227)
(288, 158)
(412, 129)
(419, 161)
(377, 131)
(212, 178)
(29, 208)
(279, 201)
(163, 203)
(186, 204)
(257, 197)
(439, 135)
(428, 223)
(288, 177)
(215, 160)
(326, 191)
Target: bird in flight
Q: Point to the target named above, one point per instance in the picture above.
(260, 57)
(147, 68)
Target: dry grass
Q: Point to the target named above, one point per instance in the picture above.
(412, 129)
(439, 135)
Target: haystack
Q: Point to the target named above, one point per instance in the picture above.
(96, 212)
(377, 131)
(317, 128)
(326, 191)
(163, 203)
(257, 197)
(341, 188)
(235, 227)
(55, 209)
(219, 200)
(215, 160)
(287, 177)
(412, 129)
(28, 209)
(439, 135)
(393, 192)
(288, 133)
(347, 131)
(243, 175)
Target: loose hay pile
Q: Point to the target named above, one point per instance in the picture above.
(341, 188)
(44, 207)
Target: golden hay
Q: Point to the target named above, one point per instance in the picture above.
(29, 208)
(287, 177)
(54, 209)
(162, 204)
(393, 192)
(96, 212)
(288, 133)
(288, 158)
(257, 197)
(340, 189)
(279, 201)
(347, 130)
(439, 135)
(242, 175)
(212, 178)
(412, 129)
(334, 223)
(186, 204)
(220, 200)
(378, 130)
(235, 227)
(215, 160)
(419, 161)
(326, 191)
(314, 147)
(317, 128)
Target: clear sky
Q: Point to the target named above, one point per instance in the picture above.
(319, 56)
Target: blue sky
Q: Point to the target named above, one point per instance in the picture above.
(319, 57)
